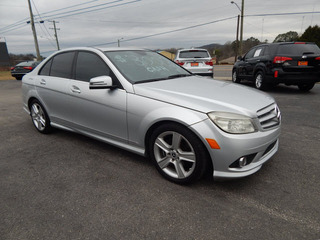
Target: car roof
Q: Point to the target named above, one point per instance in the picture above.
(283, 43)
(103, 49)
(190, 49)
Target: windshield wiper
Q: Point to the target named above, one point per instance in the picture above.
(305, 53)
(165, 78)
(178, 76)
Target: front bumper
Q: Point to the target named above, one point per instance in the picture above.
(260, 146)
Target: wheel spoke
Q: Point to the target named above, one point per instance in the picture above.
(164, 162)
(179, 169)
(42, 121)
(35, 109)
(187, 156)
(162, 145)
(176, 140)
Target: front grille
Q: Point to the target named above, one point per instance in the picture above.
(269, 116)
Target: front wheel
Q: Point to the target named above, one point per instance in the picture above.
(306, 87)
(235, 76)
(39, 117)
(177, 153)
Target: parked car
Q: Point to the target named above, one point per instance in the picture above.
(143, 102)
(291, 63)
(197, 61)
(23, 68)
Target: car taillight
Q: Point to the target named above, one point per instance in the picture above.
(28, 68)
(278, 59)
(299, 43)
(12, 68)
(318, 58)
(210, 63)
(180, 63)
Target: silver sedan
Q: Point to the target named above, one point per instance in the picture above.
(140, 101)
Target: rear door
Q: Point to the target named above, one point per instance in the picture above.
(52, 83)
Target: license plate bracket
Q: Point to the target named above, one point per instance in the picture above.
(302, 63)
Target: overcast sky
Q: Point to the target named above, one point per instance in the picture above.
(154, 24)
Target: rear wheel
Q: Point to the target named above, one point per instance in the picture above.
(178, 154)
(39, 117)
(306, 87)
(259, 81)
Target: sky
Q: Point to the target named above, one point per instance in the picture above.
(153, 24)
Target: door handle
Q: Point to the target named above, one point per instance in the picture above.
(75, 89)
(43, 82)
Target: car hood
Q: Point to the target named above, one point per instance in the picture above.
(206, 95)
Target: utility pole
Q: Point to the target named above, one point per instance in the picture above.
(55, 33)
(241, 28)
(237, 40)
(34, 32)
(119, 41)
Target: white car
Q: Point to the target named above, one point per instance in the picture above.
(197, 61)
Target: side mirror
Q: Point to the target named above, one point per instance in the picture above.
(240, 58)
(101, 82)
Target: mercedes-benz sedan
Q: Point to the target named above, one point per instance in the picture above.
(141, 101)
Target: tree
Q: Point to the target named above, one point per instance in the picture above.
(249, 43)
(311, 34)
(290, 36)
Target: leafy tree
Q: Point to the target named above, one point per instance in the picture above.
(249, 43)
(311, 34)
(290, 36)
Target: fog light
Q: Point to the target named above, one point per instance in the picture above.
(242, 162)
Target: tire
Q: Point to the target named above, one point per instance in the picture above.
(39, 117)
(177, 153)
(306, 87)
(18, 78)
(259, 81)
(235, 76)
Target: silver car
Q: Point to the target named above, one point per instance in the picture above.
(195, 60)
(141, 101)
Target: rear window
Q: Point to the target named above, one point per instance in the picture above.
(25, 64)
(298, 49)
(194, 54)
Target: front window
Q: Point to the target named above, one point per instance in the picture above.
(143, 66)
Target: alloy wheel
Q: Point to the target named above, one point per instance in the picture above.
(174, 155)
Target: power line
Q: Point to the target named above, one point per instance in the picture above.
(46, 32)
(167, 32)
(93, 10)
(72, 13)
(279, 14)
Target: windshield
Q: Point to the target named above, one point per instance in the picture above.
(143, 66)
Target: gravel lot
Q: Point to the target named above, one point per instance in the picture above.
(67, 186)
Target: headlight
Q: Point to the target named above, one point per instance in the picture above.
(232, 123)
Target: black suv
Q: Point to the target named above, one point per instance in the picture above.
(291, 63)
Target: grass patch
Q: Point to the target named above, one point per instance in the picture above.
(6, 75)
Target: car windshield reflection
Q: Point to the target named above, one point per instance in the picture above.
(145, 66)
